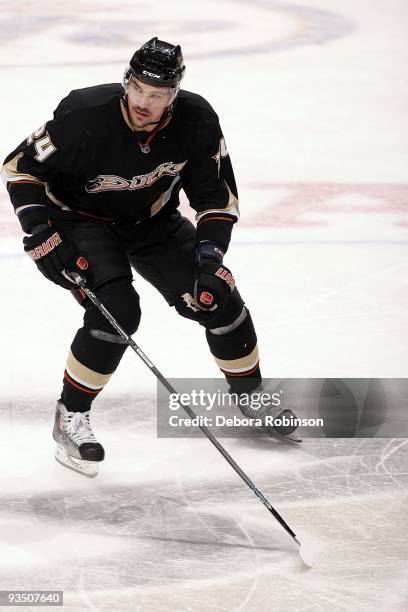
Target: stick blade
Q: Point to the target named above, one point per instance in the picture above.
(307, 553)
(307, 556)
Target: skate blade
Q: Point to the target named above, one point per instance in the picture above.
(292, 438)
(86, 468)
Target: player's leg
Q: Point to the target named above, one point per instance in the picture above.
(168, 264)
(94, 355)
(96, 349)
(230, 331)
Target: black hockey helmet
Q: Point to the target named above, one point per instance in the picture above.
(157, 63)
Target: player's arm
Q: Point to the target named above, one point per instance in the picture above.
(210, 186)
(51, 149)
(27, 171)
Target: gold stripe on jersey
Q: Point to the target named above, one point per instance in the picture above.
(242, 364)
(84, 375)
(163, 198)
(11, 174)
(232, 207)
(157, 205)
(52, 197)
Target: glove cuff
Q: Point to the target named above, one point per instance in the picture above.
(207, 250)
(38, 228)
(33, 218)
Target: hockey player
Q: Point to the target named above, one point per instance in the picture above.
(96, 190)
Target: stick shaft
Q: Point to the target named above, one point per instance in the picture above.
(129, 340)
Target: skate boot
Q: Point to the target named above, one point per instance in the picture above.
(77, 447)
(278, 421)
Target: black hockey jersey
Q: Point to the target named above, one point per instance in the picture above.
(87, 159)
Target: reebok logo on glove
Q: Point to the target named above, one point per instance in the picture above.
(82, 263)
(226, 276)
(206, 298)
(46, 247)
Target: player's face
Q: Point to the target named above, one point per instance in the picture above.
(146, 103)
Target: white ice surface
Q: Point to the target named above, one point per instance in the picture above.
(312, 98)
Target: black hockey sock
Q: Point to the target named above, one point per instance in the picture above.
(93, 358)
(235, 350)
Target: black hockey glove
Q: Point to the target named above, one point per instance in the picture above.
(214, 282)
(54, 255)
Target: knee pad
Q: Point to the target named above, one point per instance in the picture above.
(235, 350)
(122, 301)
(234, 340)
(230, 313)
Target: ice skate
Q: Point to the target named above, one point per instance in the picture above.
(283, 426)
(278, 421)
(77, 447)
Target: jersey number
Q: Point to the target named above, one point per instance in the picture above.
(44, 148)
(42, 144)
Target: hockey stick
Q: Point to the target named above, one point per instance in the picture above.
(129, 340)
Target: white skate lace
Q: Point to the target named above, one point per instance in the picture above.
(78, 427)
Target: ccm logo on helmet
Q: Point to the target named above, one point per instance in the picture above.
(156, 76)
